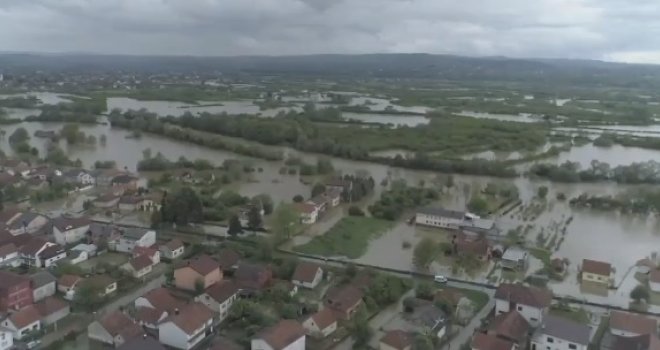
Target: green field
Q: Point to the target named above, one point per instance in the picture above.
(349, 237)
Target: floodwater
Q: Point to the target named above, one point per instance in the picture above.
(561, 101)
(521, 118)
(615, 155)
(21, 113)
(177, 109)
(396, 120)
(379, 104)
(47, 98)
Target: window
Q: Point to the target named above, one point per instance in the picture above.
(550, 340)
(519, 308)
(572, 346)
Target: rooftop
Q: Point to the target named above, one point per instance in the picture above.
(632, 323)
(305, 272)
(397, 339)
(482, 341)
(42, 278)
(565, 329)
(324, 318)
(25, 316)
(530, 296)
(596, 267)
(222, 291)
(442, 212)
(191, 317)
(282, 334)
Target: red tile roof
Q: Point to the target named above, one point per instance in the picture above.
(654, 276)
(161, 298)
(69, 223)
(51, 305)
(519, 294)
(343, 298)
(68, 281)
(228, 258)
(510, 325)
(174, 244)
(117, 323)
(306, 208)
(140, 263)
(203, 264)
(25, 316)
(305, 272)
(9, 280)
(148, 315)
(596, 267)
(148, 251)
(324, 318)
(222, 291)
(8, 249)
(632, 323)
(283, 334)
(397, 339)
(481, 341)
(191, 317)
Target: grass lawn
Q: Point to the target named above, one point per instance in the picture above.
(479, 298)
(579, 315)
(541, 254)
(349, 237)
(113, 259)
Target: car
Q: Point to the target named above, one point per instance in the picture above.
(33, 344)
(440, 279)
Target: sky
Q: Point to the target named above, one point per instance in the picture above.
(613, 30)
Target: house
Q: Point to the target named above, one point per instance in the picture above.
(531, 302)
(333, 197)
(152, 253)
(15, 167)
(25, 222)
(43, 285)
(641, 342)
(15, 291)
(186, 327)
(476, 246)
(69, 230)
(9, 255)
(52, 309)
(129, 203)
(77, 256)
(107, 200)
(41, 253)
(67, 284)
(396, 340)
(341, 185)
(344, 301)
(144, 342)
(308, 213)
(228, 259)
(510, 326)
(125, 181)
(6, 339)
(253, 277)
(307, 275)
(172, 249)
(103, 177)
(105, 284)
(139, 266)
(51, 255)
(114, 329)
(90, 249)
(285, 335)
(150, 318)
(654, 280)
(103, 236)
(626, 324)
(219, 297)
(482, 341)
(79, 177)
(439, 217)
(154, 306)
(197, 274)
(320, 203)
(135, 237)
(515, 258)
(321, 324)
(561, 334)
(23, 322)
(596, 272)
(480, 226)
(8, 180)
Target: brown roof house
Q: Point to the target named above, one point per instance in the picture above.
(307, 275)
(596, 272)
(396, 340)
(186, 327)
(228, 259)
(23, 322)
(626, 324)
(139, 266)
(114, 329)
(558, 330)
(253, 277)
(219, 297)
(344, 301)
(482, 341)
(641, 342)
(510, 326)
(531, 302)
(197, 274)
(154, 306)
(321, 324)
(52, 309)
(285, 335)
(67, 285)
(172, 249)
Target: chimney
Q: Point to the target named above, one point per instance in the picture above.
(176, 311)
(144, 336)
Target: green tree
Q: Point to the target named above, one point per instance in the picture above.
(199, 286)
(234, 226)
(639, 293)
(324, 166)
(20, 135)
(182, 207)
(88, 296)
(265, 201)
(422, 342)
(72, 134)
(103, 140)
(298, 198)
(425, 290)
(254, 217)
(424, 253)
(478, 205)
(318, 189)
(285, 222)
(542, 192)
(359, 329)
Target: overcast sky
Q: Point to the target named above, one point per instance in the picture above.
(616, 30)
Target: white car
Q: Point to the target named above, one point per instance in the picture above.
(440, 279)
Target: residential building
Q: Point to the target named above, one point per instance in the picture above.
(626, 324)
(9, 255)
(285, 335)
(640, 342)
(333, 197)
(77, 256)
(396, 340)
(172, 249)
(482, 341)
(139, 266)
(15, 291)
(228, 259)
(219, 298)
(531, 302)
(159, 298)
(253, 277)
(150, 318)
(43, 285)
(135, 237)
(201, 271)
(6, 339)
(79, 177)
(90, 249)
(596, 272)
(114, 329)
(52, 309)
(320, 203)
(558, 333)
(106, 201)
(144, 342)
(67, 285)
(25, 222)
(307, 275)
(480, 226)
(510, 326)
(23, 322)
(105, 284)
(104, 236)
(309, 213)
(126, 182)
(321, 324)
(69, 230)
(654, 280)
(476, 246)
(515, 258)
(15, 167)
(439, 217)
(129, 203)
(50, 256)
(150, 252)
(344, 301)
(103, 177)
(187, 327)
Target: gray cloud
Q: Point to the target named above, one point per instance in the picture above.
(598, 29)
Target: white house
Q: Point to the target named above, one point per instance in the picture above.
(219, 297)
(139, 266)
(308, 213)
(69, 230)
(67, 285)
(23, 322)
(25, 222)
(440, 217)
(80, 177)
(6, 339)
(172, 249)
(132, 237)
(186, 327)
(285, 335)
(114, 329)
(9, 255)
(40, 253)
(43, 285)
(77, 256)
(307, 275)
(531, 302)
(626, 324)
(561, 334)
(321, 324)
